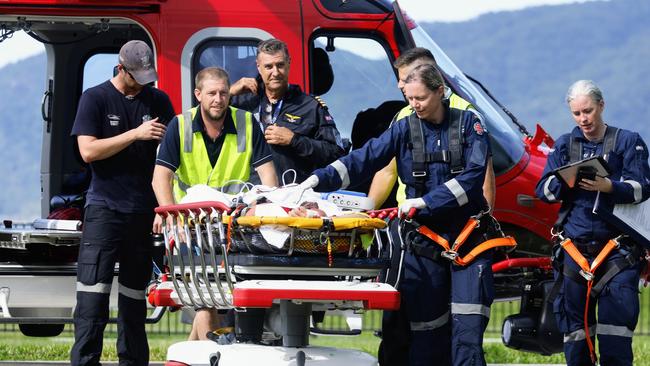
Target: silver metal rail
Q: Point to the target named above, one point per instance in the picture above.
(199, 221)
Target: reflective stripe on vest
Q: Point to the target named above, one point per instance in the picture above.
(233, 162)
(454, 102)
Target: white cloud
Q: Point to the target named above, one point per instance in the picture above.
(18, 47)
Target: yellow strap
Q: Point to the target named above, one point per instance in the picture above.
(347, 223)
(342, 223)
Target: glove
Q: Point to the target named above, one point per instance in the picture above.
(410, 204)
(310, 182)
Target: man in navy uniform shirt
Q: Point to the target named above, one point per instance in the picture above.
(118, 126)
(299, 129)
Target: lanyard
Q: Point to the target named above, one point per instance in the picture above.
(274, 115)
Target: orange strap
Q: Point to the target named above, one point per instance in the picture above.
(585, 321)
(575, 254)
(588, 271)
(433, 236)
(507, 241)
(472, 223)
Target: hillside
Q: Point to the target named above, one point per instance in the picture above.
(529, 58)
(21, 89)
(526, 58)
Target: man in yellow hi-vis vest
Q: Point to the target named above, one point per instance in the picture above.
(384, 180)
(212, 147)
(211, 144)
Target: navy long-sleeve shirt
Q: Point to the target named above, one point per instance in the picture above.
(450, 199)
(316, 141)
(630, 177)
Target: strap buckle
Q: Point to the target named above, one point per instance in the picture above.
(450, 255)
(446, 156)
(617, 241)
(587, 275)
(419, 174)
(457, 170)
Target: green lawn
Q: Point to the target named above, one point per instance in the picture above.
(15, 346)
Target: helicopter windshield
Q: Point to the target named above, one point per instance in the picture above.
(507, 144)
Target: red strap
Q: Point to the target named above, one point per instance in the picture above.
(229, 234)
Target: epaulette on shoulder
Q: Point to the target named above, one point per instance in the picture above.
(320, 101)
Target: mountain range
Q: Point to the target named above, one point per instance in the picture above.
(527, 59)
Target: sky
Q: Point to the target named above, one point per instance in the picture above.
(21, 46)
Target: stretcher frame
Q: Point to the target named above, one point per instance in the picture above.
(213, 282)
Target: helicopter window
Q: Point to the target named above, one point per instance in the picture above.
(237, 57)
(22, 86)
(99, 68)
(362, 7)
(507, 145)
(363, 77)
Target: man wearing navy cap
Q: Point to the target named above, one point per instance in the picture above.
(118, 126)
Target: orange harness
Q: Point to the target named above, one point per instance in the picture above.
(451, 252)
(587, 272)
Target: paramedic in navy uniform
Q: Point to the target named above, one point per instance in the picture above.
(439, 335)
(118, 126)
(629, 182)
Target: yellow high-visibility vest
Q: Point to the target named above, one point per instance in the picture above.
(232, 164)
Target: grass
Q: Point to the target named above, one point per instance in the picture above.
(15, 346)
(495, 351)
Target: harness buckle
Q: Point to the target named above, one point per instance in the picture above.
(446, 156)
(587, 275)
(449, 254)
(457, 170)
(617, 241)
(557, 233)
(479, 216)
(419, 174)
(563, 240)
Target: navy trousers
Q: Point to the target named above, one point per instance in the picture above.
(618, 313)
(443, 315)
(109, 237)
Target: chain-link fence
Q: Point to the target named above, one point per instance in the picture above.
(171, 321)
